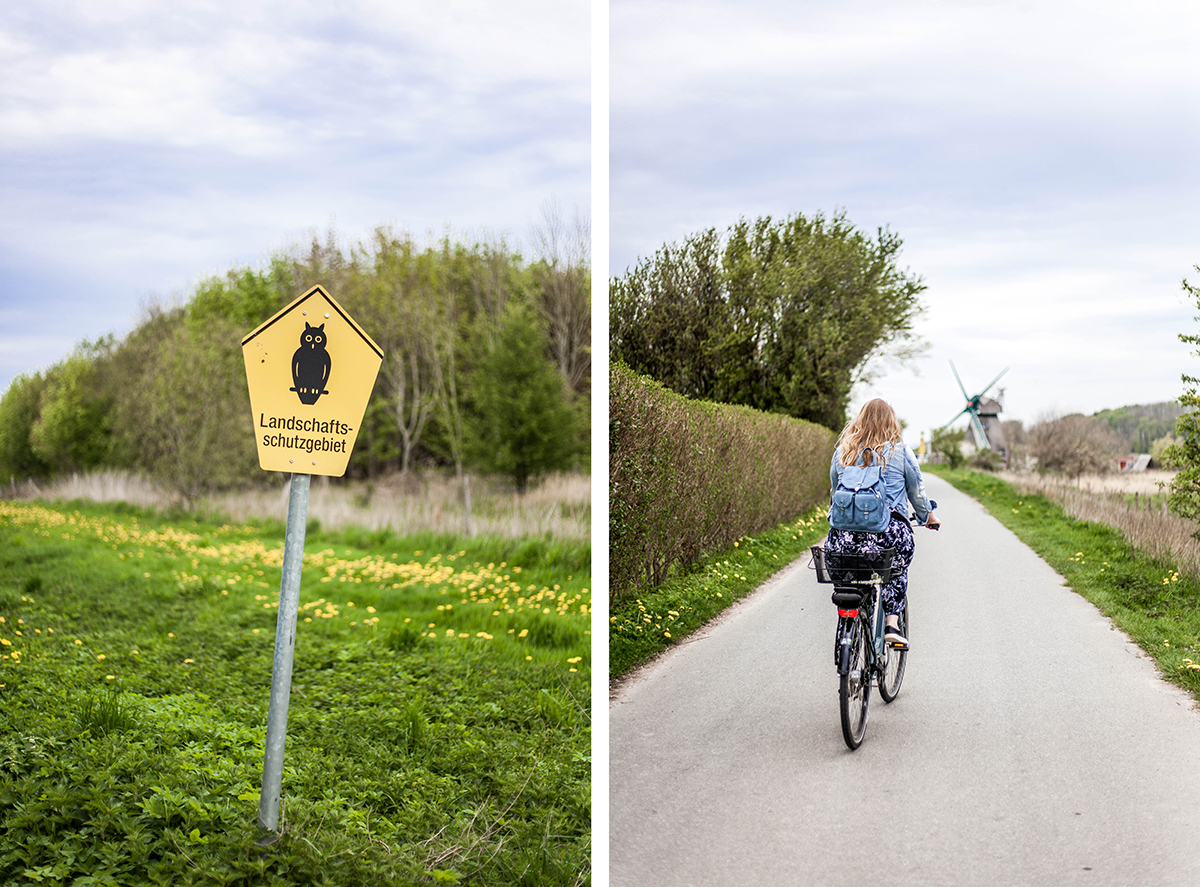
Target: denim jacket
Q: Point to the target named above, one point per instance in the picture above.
(901, 480)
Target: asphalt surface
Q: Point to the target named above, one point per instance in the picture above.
(1031, 744)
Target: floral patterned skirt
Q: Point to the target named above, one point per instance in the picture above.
(899, 536)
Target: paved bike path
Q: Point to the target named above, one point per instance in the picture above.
(1031, 744)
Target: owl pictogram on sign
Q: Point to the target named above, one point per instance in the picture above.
(310, 365)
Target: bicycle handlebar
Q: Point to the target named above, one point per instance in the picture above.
(912, 518)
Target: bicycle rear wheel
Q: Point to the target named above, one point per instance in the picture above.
(854, 694)
(892, 673)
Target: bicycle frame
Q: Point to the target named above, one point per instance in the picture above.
(874, 620)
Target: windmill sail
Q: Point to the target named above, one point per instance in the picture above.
(982, 415)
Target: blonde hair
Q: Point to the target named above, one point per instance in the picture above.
(874, 426)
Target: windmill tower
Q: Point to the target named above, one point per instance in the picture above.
(983, 413)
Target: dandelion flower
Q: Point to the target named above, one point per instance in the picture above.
(110, 677)
(78, 641)
(188, 661)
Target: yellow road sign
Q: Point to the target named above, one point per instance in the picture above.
(310, 369)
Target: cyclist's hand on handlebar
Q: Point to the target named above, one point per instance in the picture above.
(932, 522)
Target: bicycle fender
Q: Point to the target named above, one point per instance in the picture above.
(844, 641)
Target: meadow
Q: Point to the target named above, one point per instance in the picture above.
(416, 502)
(438, 731)
(1135, 505)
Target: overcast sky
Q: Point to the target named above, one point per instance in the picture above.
(1041, 162)
(144, 146)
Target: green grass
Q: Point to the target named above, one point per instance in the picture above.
(643, 626)
(438, 729)
(1146, 598)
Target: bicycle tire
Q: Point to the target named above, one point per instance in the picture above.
(892, 673)
(854, 691)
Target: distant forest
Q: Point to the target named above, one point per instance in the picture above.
(1076, 443)
(1141, 424)
(487, 367)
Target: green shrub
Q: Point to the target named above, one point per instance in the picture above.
(686, 477)
(949, 445)
(987, 460)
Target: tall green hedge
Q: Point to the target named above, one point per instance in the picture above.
(686, 477)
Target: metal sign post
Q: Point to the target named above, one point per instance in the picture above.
(285, 648)
(310, 370)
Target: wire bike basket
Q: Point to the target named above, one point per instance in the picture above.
(833, 568)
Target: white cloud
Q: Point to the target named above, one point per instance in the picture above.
(147, 145)
(1037, 159)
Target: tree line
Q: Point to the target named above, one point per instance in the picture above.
(487, 367)
(784, 315)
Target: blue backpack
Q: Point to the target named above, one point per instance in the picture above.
(859, 502)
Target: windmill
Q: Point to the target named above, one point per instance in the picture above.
(983, 413)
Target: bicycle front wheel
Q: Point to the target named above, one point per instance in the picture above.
(854, 695)
(892, 673)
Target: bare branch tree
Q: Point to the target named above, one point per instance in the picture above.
(564, 278)
(1074, 445)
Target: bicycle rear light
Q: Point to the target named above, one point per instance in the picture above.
(847, 613)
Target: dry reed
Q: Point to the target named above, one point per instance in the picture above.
(1145, 523)
(559, 506)
(100, 486)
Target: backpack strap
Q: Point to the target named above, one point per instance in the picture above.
(877, 461)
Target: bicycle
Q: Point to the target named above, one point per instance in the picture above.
(860, 654)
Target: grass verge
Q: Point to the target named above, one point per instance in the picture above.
(438, 730)
(1145, 597)
(643, 626)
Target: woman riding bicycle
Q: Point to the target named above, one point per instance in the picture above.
(875, 433)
